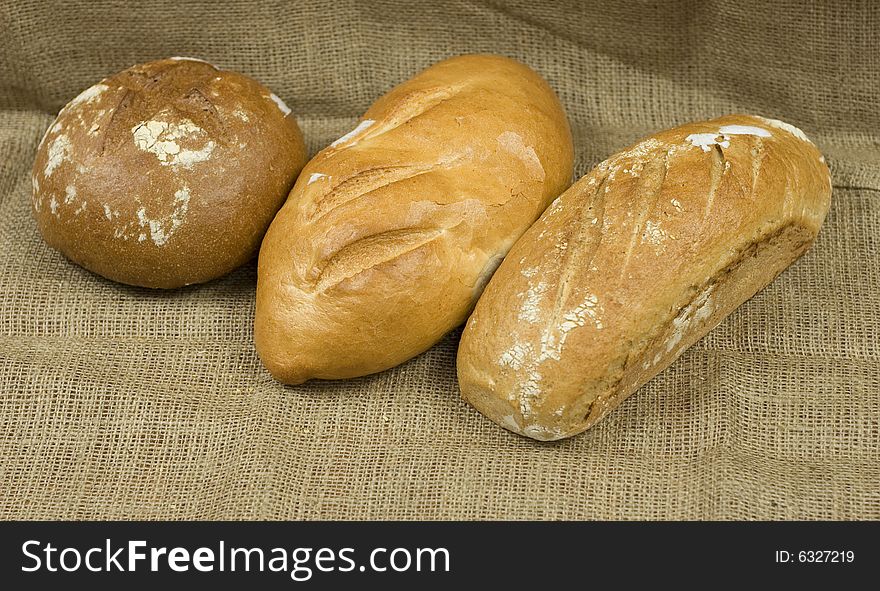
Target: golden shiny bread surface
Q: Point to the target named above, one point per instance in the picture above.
(391, 232)
(633, 264)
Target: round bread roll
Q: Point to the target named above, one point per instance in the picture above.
(165, 174)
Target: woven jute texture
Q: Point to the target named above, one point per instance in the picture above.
(125, 403)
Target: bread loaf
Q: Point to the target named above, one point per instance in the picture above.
(391, 232)
(165, 174)
(633, 264)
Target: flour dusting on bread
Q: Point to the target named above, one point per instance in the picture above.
(163, 228)
(743, 130)
(162, 138)
(282, 106)
(351, 135)
(705, 141)
(59, 152)
(88, 95)
(795, 131)
(691, 315)
(531, 303)
(513, 143)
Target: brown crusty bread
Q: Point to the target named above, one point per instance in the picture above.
(633, 264)
(165, 174)
(391, 232)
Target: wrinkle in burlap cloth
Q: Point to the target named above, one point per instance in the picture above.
(118, 402)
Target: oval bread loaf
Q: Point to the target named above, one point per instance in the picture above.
(165, 174)
(633, 264)
(391, 232)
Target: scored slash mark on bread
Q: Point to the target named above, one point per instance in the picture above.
(757, 152)
(412, 105)
(587, 234)
(369, 252)
(649, 193)
(361, 184)
(718, 164)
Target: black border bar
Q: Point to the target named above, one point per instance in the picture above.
(532, 555)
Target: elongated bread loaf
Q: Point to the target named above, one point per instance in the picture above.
(633, 264)
(391, 232)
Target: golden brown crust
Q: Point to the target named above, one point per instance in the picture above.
(165, 174)
(633, 264)
(391, 232)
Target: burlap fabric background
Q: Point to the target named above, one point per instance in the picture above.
(118, 402)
